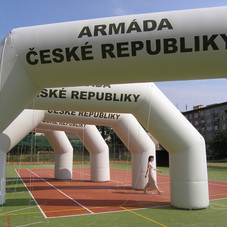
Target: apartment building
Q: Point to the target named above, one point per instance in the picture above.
(208, 120)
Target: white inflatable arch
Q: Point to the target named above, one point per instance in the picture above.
(137, 48)
(125, 125)
(128, 130)
(188, 167)
(148, 47)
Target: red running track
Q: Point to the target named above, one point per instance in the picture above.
(80, 196)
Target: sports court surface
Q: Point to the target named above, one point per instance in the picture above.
(80, 196)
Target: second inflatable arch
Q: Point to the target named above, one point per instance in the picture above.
(188, 167)
(140, 144)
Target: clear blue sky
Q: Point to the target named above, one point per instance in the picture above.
(21, 13)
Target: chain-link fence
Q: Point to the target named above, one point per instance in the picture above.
(117, 153)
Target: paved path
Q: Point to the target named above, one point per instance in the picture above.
(217, 164)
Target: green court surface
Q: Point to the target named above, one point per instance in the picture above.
(21, 210)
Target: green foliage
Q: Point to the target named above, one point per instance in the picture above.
(107, 131)
(218, 145)
(38, 142)
(32, 140)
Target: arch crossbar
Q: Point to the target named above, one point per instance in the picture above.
(79, 53)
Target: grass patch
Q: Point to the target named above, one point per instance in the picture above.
(221, 168)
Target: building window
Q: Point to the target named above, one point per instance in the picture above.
(224, 126)
(222, 109)
(202, 122)
(190, 116)
(196, 123)
(209, 128)
(215, 111)
(201, 114)
(203, 130)
(196, 115)
(216, 128)
(223, 118)
(216, 119)
(208, 120)
(207, 112)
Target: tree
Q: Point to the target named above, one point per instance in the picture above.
(218, 145)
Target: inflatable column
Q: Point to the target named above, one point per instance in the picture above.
(2, 177)
(99, 161)
(63, 154)
(140, 145)
(13, 134)
(188, 170)
(13, 90)
(19, 128)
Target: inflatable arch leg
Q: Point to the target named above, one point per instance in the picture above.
(2, 177)
(93, 141)
(63, 154)
(19, 128)
(139, 144)
(14, 133)
(16, 88)
(128, 130)
(188, 170)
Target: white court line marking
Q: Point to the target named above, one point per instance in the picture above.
(218, 184)
(32, 195)
(62, 192)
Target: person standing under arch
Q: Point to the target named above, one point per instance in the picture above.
(152, 184)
